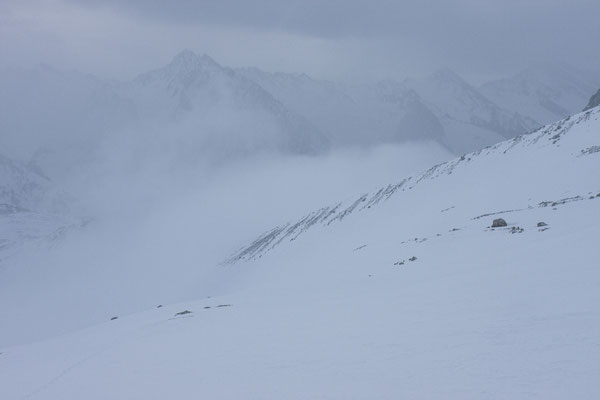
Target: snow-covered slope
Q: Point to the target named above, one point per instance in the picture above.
(470, 120)
(473, 164)
(404, 292)
(369, 114)
(544, 93)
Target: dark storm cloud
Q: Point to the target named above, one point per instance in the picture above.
(334, 38)
(365, 18)
(481, 32)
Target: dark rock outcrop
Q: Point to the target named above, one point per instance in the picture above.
(499, 223)
(594, 101)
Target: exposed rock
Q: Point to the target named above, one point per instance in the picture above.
(499, 223)
(594, 101)
(540, 224)
(113, 318)
(590, 150)
(413, 258)
(183, 312)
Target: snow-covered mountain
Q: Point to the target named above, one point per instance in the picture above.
(217, 112)
(32, 208)
(196, 90)
(403, 292)
(23, 187)
(543, 93)
(65, 120)
(384, 112)
(544, 140)
(470, 119)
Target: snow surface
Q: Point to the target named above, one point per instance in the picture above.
(415, 297)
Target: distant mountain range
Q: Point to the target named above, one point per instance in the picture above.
(544, 93)
(61, 119)
(470, 119)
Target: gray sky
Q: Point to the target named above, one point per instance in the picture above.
(335, 39)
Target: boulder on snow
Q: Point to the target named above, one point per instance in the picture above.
(499, 223)
(540, 224)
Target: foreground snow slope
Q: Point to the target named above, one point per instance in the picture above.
(340, 311)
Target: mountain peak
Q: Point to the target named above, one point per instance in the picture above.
(594, 101)
(447, 75)
(187, 59)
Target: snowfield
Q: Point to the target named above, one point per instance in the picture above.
(404, 292)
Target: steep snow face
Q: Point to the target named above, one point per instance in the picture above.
(197, 92)
(543, 93)
(384, 112)
(404, 292)
(469, 118)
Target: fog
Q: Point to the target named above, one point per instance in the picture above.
(158, 232)
(161, 178)
(150, 164)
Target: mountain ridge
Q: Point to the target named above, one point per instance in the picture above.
(325, 216)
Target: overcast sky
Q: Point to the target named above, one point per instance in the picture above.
(334, 39)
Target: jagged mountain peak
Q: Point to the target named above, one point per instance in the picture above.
(185, 68)
(447, 75)
(594, 101)
(188, 58)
